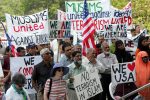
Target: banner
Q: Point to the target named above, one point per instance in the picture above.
(60, 29)
(25, 65)
(120, 21)
(87, 84)
(107, 20)
(123, 72)
(29, 28)
(97, 9)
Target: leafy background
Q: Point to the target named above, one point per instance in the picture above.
(140, 8)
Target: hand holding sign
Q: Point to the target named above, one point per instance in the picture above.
(71, 79)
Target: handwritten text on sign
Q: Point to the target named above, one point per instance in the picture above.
(59, 29)
(123, 72)
(25, 65)
(27, 28)
(97, 9)
(87, 84)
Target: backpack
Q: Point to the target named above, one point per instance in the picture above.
(50, 85)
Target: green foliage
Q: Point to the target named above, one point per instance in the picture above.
(140, 11)
(140, 8)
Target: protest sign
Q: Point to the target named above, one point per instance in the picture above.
(97, 9)
(1, 70)
(87, 84)
(120, 21)
(30, 28)
(61, 15)
(59, 29)
(107, 20)
(123, 72)
(25, 65)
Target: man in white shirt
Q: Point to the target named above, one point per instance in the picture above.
(106, 58)
(91, 62)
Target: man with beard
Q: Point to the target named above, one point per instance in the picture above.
(91, 63)
(106, 58)
(75, 68)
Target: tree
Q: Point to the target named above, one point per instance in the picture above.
(140, 8)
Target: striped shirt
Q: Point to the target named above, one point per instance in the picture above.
(58, 89)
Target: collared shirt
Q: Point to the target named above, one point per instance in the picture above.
(65, 60)
(107, 61)
(89, 66)
(73, 71)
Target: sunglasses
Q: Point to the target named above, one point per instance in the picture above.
(60, 70)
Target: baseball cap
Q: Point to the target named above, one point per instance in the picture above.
(31, 44)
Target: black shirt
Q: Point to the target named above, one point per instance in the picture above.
(41, 73)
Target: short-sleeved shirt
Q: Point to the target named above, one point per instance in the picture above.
(58, 89)
(41, 73)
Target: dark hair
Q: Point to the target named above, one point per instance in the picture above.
(54, 71)
(75, 53)
(66, 44)
(140, 46)
(132, 30)
(18, 78)
(136, 26)
(7, 49)
(98, 45)
(19, 49)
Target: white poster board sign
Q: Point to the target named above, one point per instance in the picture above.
(29, 28)
(25, 65)
(87, 84)
(123, 72)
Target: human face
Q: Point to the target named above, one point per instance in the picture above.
(121, 46)
(59, 72)
(33, 50)
(68, 51)
(144, 42)
(92, 54)
(78, 59)
(137, 29)
(106, 48)
(145, 59)
(21, 53)
(101, 39)
(47, 57)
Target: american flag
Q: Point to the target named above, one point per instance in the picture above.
(11, 46)
(88, 30)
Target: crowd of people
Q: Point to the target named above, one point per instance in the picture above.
(53, 80)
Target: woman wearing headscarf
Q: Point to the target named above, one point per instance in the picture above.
(55, 87)
(142, 45)
(122, 57)
(16, 91)
(142, 66)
